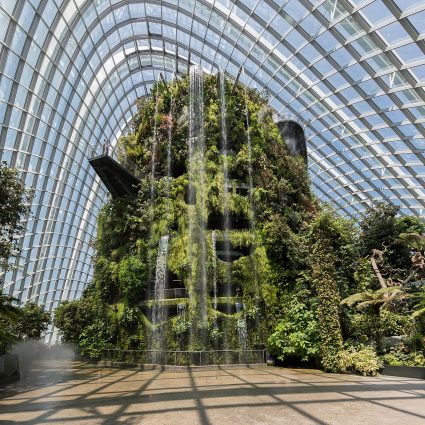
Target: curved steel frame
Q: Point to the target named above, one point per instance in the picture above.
(353, 73)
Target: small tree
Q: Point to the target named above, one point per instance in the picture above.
(9, 313)
(71, 317)
(14, 200)
(378, 228)
(331, 244)
(32, 322)
(297, 334)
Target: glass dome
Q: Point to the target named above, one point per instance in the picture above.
(351, 72)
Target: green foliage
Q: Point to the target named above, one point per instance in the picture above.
(329, 236)
(132, 274)
(32, 322)
(14, 207)
(419, 298)
(383, 298)
(94, 338)
(362, 359)
(378, 227)
(20, 323)
(297, 334)
(381, 228)
(71, 317)
(9, 314)
(401, 355)
(8, 309)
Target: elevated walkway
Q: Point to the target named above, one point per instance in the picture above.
(118, 174)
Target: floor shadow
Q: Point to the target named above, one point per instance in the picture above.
(88, 392)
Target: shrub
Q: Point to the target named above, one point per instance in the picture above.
(295, 335)
(362, 359)
(400, 356)
(95, 338)
(132, 274)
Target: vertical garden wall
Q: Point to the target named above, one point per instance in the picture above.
(225, 247)
(204, 251)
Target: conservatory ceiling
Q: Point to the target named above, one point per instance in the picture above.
(351, 71)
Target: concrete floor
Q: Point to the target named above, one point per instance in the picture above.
(72, 392)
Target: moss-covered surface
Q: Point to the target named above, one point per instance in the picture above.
(297, 261)
(129, 232)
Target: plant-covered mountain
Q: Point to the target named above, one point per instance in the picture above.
(220, 191)
(225, 247)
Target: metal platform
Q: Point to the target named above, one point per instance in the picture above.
(119, 181)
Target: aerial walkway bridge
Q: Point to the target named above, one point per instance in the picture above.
(118, 173)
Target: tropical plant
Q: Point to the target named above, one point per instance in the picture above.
(297, 334)
(8, 309)
(14, 206)
(383, 298)
(9, 313)
(419, 299)
(95, 338)
(72, 317)
(33, 320)
(361, 358)
(401, 355)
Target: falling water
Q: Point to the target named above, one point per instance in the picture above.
(169, 144)
(214, 277)
(252, 206)
(226, 193)
(250, 178)
(226, 181)
(152, 181)
(197, 210)
(242, 328)
(158, 311)
(154, 145)
(181, 315)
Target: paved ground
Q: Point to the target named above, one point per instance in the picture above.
(76, 393)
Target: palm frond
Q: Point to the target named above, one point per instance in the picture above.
(419, 313)
(369, 303)
(355, 298)
(390, 290)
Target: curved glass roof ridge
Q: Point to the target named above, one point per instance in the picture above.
(352, 72)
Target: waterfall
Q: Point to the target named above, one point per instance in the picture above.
(152, 181)
(158, 311)
(250, 178)
(226, 181)
(197, 212)
(181, 315)
(226, 197)
(154, 146)
(169, 144)
(242, 328)
(214, 277)
(252, 206)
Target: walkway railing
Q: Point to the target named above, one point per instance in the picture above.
(106, 148)
(170, 293)
(185, 358)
